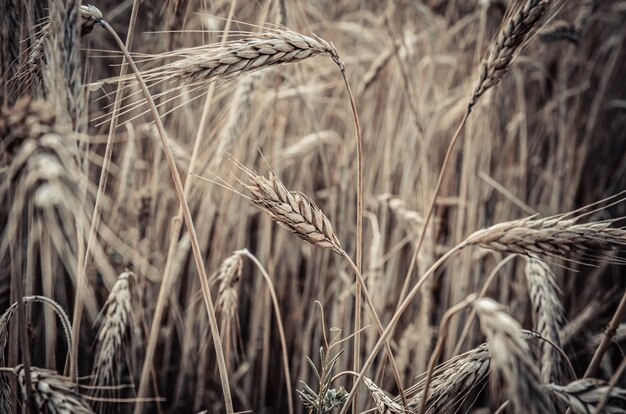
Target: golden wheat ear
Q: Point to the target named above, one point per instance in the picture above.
(291, 209)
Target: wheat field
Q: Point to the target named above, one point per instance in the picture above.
(329, 206)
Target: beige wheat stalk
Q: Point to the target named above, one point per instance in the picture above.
(117, 316)
(584, 395)
(548, 314)
(512, 358)
(53, 393)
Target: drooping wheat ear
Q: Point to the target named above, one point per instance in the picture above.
(228, 277)
(508, 42)
(584, 395)
(53, 393)
(548, 314)
(559, 30)
(384, 403)
(231, 59)
(511, 358)
(292, 210)
(559, 236)
(117, 316)
(454, 381)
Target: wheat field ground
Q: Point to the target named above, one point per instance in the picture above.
(293, 206)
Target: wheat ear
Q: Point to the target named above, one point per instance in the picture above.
(585, 394)
(117, 316)
(511, 358)
(548, 314)
(53, 393)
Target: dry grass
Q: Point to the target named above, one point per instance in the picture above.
(488, 179)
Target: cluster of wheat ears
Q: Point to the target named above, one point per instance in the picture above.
(461, 172)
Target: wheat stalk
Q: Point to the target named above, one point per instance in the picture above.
(549, 316)
(512, 358)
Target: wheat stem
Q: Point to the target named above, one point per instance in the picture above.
(195, 246)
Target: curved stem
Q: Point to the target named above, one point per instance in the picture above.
(279, 323)
(195, 246)
(95, 219)
(433, 201)
(359, 223)
(379, 326)
(396, 317)
(443, 332)
(609, 334)
(483, 292)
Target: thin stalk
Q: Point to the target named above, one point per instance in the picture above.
(95, 219)
(176, 227)
(359, 227)
(23, 336)
(379, 326)
(396, 317)
(279, 323)
(609, 334)
(433, 201)
(612, 382)
(443, 332)
(195, 246)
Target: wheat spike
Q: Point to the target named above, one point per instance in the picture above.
(292, 210)
(384, 403)
(549, 317)
(511, 37)
(53, 393)
(557, 236)
(511, 358)
(228, 277)
(585, 394)
(117, 315)
(205, 64)
(454, 380)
